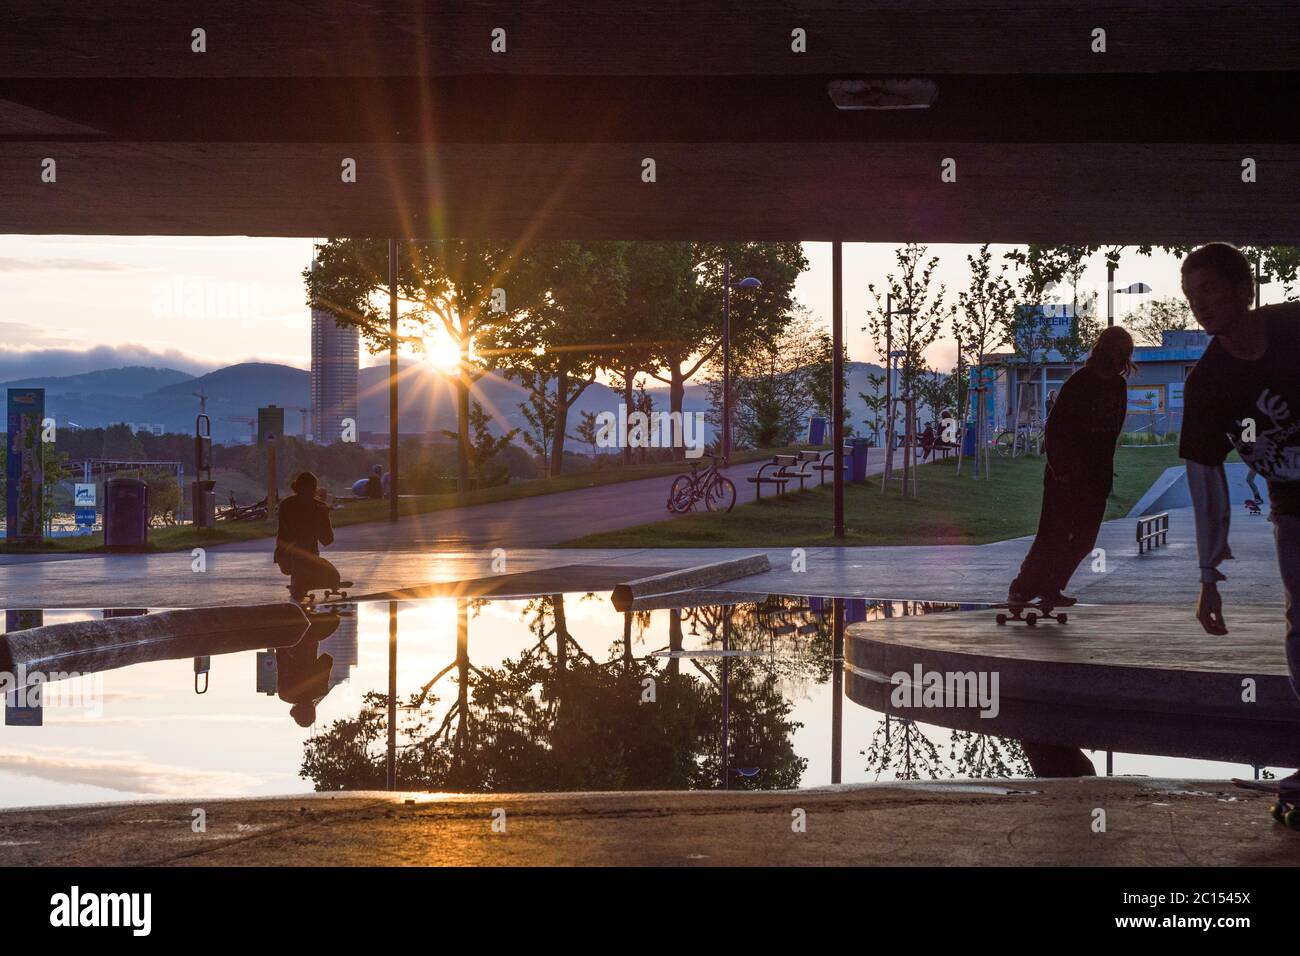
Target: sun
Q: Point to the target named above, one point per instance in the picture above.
(442, 353)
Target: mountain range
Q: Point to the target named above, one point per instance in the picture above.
(166, 396)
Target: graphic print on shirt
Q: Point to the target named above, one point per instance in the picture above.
(1275, 453)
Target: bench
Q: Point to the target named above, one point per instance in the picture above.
(798, 466)
(1152, 531)
(775, 476)
(828, 461)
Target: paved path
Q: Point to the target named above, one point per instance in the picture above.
(1149, 822)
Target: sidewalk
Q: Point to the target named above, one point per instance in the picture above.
(1149, 822)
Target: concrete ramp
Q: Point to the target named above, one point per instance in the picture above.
(1170, 491)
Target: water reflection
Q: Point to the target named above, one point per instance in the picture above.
(553, 693)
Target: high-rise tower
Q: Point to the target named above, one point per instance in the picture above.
(334, 361)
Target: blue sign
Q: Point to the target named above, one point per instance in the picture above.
(1043, 324)
(24, 471)
(85, 517)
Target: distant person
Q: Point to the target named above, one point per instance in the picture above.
(927, 441)
(375, 483)
(304, 527)
(1051, 402)
(1081, 435)
(1251, 476)
(1244, 393)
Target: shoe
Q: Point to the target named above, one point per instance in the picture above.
(1018, 598)
(1057, 599)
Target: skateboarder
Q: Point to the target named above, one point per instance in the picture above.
(1081, 435)
(304, 526)
(1244, 393)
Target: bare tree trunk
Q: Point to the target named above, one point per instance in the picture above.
(462, 428)
(628, 406)
(561, 419)
(676, 398)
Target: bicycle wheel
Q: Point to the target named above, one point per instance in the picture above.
(721, 495)
(1005, 444)
(682, 494)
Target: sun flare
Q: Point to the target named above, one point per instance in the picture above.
(442, 353)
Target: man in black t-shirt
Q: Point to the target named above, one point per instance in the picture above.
(1244, 393)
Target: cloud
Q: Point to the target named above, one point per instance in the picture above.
(128, 774)
(16, 363)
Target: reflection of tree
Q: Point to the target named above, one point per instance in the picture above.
(555, 718)
(900, 743)
(983, 755)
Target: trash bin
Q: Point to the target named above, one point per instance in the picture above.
(968, 440)
(203, 503)
(858, 463)
(816, 431)
(126, 514)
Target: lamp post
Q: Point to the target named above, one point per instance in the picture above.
(1135, 288)
(749, 282)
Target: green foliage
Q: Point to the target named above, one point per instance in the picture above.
(485, 448)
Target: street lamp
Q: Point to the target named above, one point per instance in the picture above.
(1135, 288)
(749, 282)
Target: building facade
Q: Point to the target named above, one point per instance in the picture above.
(335, 354)
(1155, 391)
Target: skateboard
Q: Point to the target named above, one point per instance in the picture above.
(1283, 811)
(1034, 611)
(328, 596)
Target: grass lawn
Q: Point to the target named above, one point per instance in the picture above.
(949, 510)
(184, 537)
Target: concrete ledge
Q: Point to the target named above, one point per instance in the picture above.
(687, 579)
(89, 646)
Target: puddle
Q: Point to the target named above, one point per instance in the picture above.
(544, 694)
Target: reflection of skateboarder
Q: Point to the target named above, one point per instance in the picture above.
(304, 526)
(1244, 393)
(1081, 434)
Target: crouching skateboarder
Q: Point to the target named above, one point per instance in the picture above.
(304, 527)
(1244, 393)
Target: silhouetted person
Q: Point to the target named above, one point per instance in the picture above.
(1081, 434)
(375, 483)
(1244, 393)
(303, 679)
(304, 527)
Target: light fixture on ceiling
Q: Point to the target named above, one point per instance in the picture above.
(883, 94)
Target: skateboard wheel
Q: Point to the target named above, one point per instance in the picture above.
(1062, 618)
(1031, 619)
(1291, 818)
(1278, 812)
(1002, 619)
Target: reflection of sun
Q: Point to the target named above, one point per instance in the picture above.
(442, 352)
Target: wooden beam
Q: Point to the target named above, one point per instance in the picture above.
(1004, 193)
(152, 38)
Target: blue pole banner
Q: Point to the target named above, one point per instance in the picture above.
(24, 467)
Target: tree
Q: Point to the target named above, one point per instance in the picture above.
(587, 432)
(911, 327)
(1028, 329)
(875, 403)
(979, 327)
(539, 413)
(557, 346)
(444, 287)
(1149, 321)
(773, 385)
(687, 331)
(485, 447)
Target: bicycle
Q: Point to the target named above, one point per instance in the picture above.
(1012, 443)
(710, 486)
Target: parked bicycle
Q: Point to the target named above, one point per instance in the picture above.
(708, 486)
(1012, 443)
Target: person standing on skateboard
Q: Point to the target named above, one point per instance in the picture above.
(304, 526)
(1081, 434)
(1244, 393)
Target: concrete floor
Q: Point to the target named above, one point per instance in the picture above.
(925, 572)
(1027, 822)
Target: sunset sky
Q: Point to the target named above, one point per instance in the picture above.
(78, 303)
